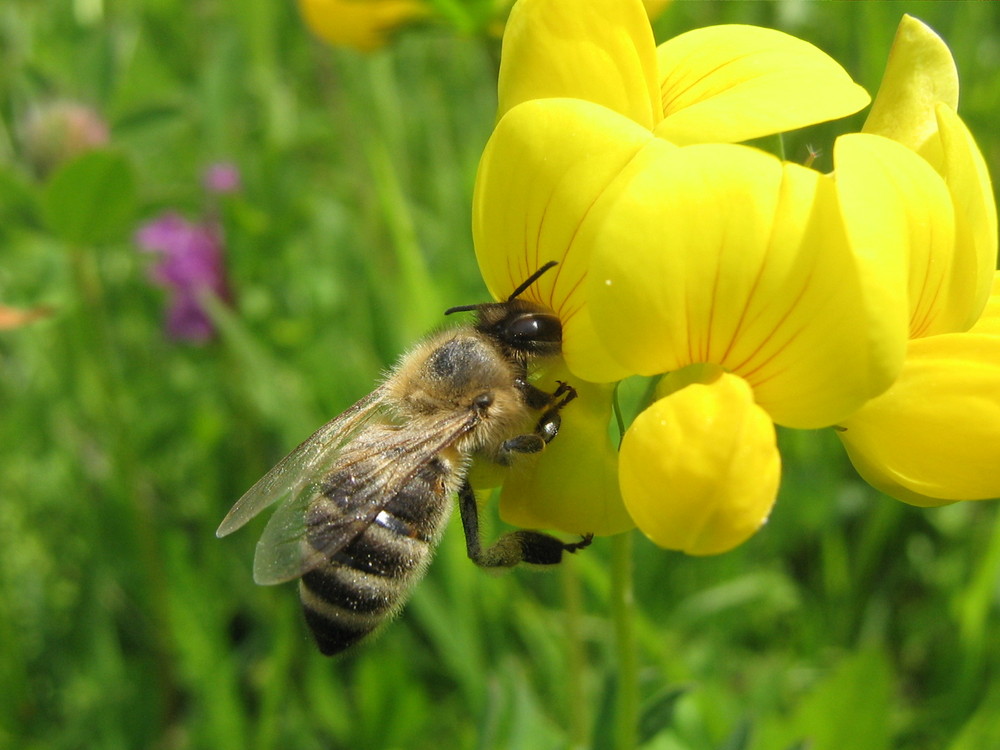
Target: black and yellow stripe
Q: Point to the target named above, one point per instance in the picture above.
(366, 582)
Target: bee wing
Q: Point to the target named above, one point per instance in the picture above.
(304, 465)
(281, 554)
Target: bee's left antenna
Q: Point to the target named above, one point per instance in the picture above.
(532, 279)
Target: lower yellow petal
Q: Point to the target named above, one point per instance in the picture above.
(732, 83)
(572, 486)
(699, 469)
(934, 436)
(989, 321)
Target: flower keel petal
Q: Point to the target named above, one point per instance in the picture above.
(699, 469)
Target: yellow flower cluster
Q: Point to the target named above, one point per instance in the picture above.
(364, 25)
(750, 291)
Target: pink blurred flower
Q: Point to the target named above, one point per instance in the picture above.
(222, 178)
(56, 131)
(190, 266)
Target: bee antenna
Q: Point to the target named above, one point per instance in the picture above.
(514, 295)
(532, 279)
(461, 308)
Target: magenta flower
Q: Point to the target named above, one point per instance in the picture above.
(190, 266)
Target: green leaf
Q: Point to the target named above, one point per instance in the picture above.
(91, 199)
(849, 708)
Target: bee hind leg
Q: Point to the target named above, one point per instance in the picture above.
(511, 549)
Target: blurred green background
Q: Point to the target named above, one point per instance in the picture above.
(849, 621)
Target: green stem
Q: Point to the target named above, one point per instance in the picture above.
(616, 407)
(623, 608)
(579, 720)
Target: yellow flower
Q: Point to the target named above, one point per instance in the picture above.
(364, 25)
(785, 280)
(769, 292)
(934, 437)
(720, 83)
(758, 292)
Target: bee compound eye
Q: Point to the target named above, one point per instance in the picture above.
(535, 327)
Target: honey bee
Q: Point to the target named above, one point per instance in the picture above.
(365, 500)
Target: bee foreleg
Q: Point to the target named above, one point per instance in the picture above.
(534, 396)
(538, 399)
(513, 548)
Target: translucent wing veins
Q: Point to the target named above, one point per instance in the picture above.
(281, 554)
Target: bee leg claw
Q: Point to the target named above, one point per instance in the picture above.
(585, 541)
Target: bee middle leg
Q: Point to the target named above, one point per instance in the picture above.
(548, 424)
(512, 548)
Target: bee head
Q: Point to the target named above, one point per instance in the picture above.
(521, 328)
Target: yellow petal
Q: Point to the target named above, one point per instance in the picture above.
(989, 321)
(699, 469)
(362, 24)
(914, 205)
(919, 75)
(719, 253)
(601, 51)
(968, 180)
(732, 83)
(572, 486)
(546, 165)
(934, 437)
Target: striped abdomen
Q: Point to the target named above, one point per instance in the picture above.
(367, 581)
